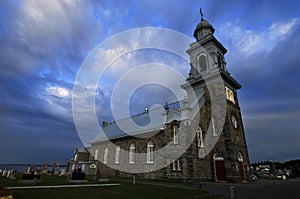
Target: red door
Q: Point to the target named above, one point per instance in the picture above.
(220, 170)
(242, 171)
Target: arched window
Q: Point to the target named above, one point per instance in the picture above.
(105, 155)
(176, 166)
(202, 63)
(229, 94)
(175, 134)
(199, 137)
(96, 154)
(240, 157)
(131, 153)
(220, 61)
(117, 155)
(150, 152)
(213, 127)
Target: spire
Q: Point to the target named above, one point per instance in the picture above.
(201, 14)
(203, 28)
(166, 106)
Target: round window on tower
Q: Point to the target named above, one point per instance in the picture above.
(234, 121)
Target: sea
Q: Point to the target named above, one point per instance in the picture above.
(23, 167)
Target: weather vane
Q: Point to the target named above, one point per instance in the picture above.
(201, 13)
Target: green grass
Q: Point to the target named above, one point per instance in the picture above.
(125, 190)
(45, 180)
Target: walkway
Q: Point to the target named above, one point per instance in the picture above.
(63, 186)
(262, 189)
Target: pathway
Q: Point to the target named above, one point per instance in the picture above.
(63, 186)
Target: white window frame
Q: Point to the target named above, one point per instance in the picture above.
(240, 157)
(229, 94)
(105, 155)
(176, 165)
(96, 154)
(117, 155)
(213, 126)
(218, 156)
(150, 152)
(175, 134)
(199, 135)
(131, 153)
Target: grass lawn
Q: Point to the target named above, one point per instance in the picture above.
(125, 190)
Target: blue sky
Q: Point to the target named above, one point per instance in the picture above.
(43, 44)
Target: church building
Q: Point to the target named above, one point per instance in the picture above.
(217, 149)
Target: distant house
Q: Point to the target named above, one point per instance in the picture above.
(227, 160)
(82, 159)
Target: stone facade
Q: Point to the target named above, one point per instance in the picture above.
(226, 160)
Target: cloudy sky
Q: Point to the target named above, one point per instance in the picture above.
(43, 44)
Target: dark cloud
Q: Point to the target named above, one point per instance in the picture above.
(270, 99)
(253, 14)
(44, 42)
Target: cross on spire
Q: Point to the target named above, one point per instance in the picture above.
(201, 13)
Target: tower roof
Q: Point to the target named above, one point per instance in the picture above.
(202, 25)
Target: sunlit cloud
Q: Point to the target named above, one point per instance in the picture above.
(250, 41)
(58, 91)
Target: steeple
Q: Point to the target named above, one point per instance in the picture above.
(203, 28)
(207, 55)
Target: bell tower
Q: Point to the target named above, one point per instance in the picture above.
(207, 45)
(229, 156)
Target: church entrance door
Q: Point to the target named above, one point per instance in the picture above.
(241, 167)
(220, 171)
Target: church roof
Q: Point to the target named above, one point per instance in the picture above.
(146, 122)
(82, 150)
